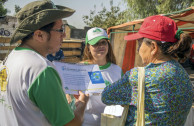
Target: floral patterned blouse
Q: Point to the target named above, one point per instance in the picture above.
(168, 94)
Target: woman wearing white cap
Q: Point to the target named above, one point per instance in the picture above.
(98, 50)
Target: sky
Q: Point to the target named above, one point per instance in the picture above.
(82, 8)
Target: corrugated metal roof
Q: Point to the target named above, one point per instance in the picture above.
(184, 19)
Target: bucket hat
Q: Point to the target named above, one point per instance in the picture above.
(95, 34)
(156, 27)
(37, 14)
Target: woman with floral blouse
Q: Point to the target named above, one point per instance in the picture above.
(168, 89)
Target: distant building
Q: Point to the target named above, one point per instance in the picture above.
(7, 25)
(79, 33)
(67, 30)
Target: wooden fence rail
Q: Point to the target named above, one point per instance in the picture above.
(72, 49)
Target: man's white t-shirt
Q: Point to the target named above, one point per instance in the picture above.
(33, 95)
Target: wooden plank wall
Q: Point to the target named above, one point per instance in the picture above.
(72, 49)
(118, 45)
(5, 47)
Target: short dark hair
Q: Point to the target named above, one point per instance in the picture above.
(47, 28)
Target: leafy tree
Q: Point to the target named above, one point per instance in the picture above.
(105, 18)
(17, 8)
(3, 11)
(143, 8)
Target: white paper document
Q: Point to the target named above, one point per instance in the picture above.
(75, 77)
(116, 110)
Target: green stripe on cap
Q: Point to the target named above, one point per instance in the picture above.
(95, 40)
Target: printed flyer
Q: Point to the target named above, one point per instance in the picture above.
(75, 77)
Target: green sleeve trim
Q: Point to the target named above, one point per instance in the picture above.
(105, 66)
(47, 94)
(100, 67)
(22, 48)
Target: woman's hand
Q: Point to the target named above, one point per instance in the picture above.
(81, 98)
(69, 100)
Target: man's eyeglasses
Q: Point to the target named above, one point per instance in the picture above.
(62, 30)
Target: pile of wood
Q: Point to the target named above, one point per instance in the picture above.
(72, 49)
(5, 47)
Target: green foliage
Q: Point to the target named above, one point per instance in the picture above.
(105, 18)
(17, 8)
(192, 4)
(143, 8)
(3, 1)
(3, 11)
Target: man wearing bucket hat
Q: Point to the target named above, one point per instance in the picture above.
(32, 94)
(168, 89)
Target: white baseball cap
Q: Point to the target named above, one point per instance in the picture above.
(95, 34)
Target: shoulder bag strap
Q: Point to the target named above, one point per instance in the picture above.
(141, 96)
